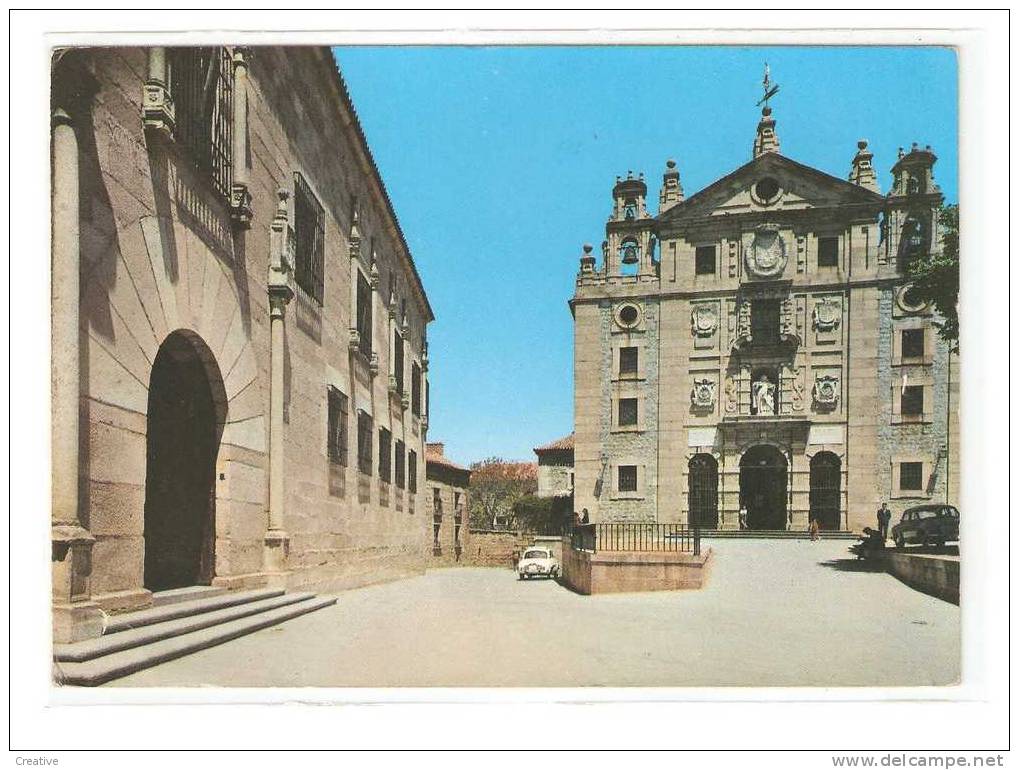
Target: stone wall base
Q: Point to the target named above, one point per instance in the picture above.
(124, 601)
(628, 571)
(77, 621)
(930, 573)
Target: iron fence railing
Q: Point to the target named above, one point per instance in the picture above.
(635, 536)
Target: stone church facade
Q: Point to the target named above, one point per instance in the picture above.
(239, 334)
(757, 344)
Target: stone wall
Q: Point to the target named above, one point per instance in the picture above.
(502, 548)
(929, 573)
(624, 572)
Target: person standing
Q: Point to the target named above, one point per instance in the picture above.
(585, 517)
(743, 517)
(814, 530)
(884, 516)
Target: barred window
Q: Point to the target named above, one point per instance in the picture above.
(337, 438)
(764, 321)
(398, 361)
(385, 454)
(627, 411)
(401, 479)
(911, 476)
(412, 471)
(415, 390)
(628, 360)
(827, 252)
(364, 314)
(912, 401)
(201, 84)
(309, 232)
(704, 260)
(364, 442)
(912, 343)
(627, 478)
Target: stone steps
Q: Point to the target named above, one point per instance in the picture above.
(776, 534)
(163, 633)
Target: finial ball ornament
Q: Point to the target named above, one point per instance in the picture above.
(670, 163)
(587, 248)
(862, 144)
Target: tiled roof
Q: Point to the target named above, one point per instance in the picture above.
(566, 442)
(436, 457)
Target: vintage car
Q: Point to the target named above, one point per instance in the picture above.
(537, 562)
(928, 524)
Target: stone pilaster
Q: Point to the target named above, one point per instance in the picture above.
(280, 290)
(157, 102)
(75, 615)
(240, 197)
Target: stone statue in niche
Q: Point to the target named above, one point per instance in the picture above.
(826, 390)
(762, 396)
(702, 395)
(731, 395)
(704, 320)
(827, 314)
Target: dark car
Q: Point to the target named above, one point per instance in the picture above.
(930, 524)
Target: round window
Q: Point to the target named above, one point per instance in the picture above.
(628, 315)
(766, 189)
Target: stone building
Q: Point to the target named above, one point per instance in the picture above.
(757, 344)
(239, 333)
(447, 494)
(555, 468)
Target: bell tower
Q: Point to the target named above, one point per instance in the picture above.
(911, 221)
(629, 231)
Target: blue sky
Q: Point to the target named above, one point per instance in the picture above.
(500, 163)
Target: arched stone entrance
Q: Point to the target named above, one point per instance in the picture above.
(186, 414)
(763, 481)
(826, 490)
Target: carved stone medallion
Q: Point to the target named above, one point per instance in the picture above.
(826, 390)
(827, 314)
(702, 395)
(703, 320)
(766, 257)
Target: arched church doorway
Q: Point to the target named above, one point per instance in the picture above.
(825, 489)
(763, 477)
(186, 412)
(703, 483)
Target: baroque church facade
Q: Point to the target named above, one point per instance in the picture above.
(757, 345)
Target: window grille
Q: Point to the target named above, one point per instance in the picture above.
(415, 390)
(385, 454)
(412, 471)
(827, 252)
(201, 84)
(764, 321)
(337, 439)
(364, 442)
(628, 360)
(627, 478)
(401, 479)
(911, 476)
(703, 491)
(627, 411)
(826, 490)
(398, 361)
(912, 400)
(364, 315)
(309, 232)
(912, 343)
(704, 260)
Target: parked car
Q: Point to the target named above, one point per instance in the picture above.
(536, 562)
(928, 524)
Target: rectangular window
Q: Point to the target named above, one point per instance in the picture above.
(309, 235)
(627, 478)
(827, 252)
(704, 260)
(911, 476)
(415, 390)
(912, 401)
(398, 361)
(364, 314)
(764, 321)
(401, 480)
(385, 454)
(627, 411)
(337, 438)
(628, 361)
(912, 343)
(201, 84)
(412, 471)
(364, 442)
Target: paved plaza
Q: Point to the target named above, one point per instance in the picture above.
(781, 613)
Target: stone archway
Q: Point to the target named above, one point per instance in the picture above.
(185, 419)
(763, 486)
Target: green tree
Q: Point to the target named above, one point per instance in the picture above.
(936, 277)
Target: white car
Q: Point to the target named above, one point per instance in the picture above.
(537, 562)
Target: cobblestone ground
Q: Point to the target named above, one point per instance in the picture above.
(774, 613)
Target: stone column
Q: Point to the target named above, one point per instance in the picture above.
(75, 616)
(280, 290)
(157, 102)
(240, 197)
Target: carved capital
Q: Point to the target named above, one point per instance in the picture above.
(279, 297)
(354, 342)
(373, 364)
(158, 112)
(240, 205)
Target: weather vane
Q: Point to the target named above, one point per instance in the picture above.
(769, 89)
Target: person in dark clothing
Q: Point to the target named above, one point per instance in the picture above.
(884, 516)
(585, 518)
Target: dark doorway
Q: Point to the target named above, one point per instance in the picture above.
(763, 475)
(825, 489)
(703, 491)
(184, 428)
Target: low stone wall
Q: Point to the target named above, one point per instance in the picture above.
(625, 571)
(502, 548)
(933, 574)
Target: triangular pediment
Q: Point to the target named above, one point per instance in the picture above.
(799, 187)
